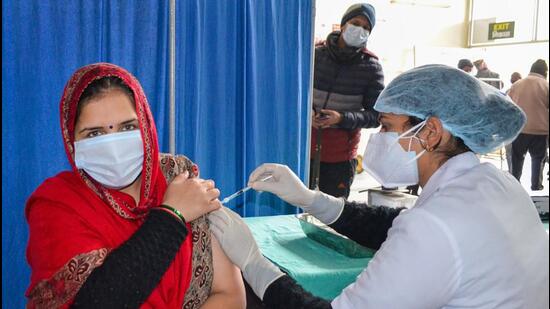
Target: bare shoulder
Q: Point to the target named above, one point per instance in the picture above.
(227, 277)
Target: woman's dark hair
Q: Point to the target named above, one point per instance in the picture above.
(455, 147)
(101, 86)
(414, 121)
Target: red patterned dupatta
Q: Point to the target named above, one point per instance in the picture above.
(153, 184)
(75, 222)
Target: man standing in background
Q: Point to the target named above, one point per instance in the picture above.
(508, 148)
(347, 81)
(465, 65)
(486, 75)
(531, 94)
(515, 77)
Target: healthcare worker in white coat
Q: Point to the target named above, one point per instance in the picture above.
(473, 238)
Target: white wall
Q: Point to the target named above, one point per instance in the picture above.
(507, 59)
(406, 36)
(401, 27)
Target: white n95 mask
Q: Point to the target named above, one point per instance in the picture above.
(355, 36)
(114, 160)
(390, 164)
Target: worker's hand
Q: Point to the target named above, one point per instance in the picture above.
(193, 197)
(239, 245)
(284, 183)
(329, 118)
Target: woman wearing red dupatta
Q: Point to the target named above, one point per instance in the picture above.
(95, 244)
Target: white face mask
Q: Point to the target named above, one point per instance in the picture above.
(114, 160)
(355, 36)
(386, 161)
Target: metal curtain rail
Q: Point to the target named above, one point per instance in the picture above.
(310, 94)
(172, 80)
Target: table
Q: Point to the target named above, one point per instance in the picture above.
(317, 268)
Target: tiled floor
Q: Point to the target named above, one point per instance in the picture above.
(364, 181)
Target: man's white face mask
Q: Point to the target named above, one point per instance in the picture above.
(355, 36)
(386, 161)
(114, 160)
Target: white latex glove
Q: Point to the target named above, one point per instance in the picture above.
(239, 245)
(286, 185)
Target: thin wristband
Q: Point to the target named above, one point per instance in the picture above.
(175, 211)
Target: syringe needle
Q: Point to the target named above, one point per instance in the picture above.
(241, 191)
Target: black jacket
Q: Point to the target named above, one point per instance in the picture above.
(347, 80)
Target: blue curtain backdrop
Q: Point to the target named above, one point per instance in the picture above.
(243, 71)
(43, 43)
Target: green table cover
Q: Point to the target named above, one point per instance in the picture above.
(322, 271)
(317, 268)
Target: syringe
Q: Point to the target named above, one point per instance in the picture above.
(241, 191)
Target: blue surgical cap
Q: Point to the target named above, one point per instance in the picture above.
(484, 118)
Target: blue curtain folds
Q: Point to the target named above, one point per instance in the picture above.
(243, 74)
(43, 43)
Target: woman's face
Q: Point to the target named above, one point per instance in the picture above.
(399, 124)
(107, 113)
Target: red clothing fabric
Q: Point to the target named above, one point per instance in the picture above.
(337, 145)
(75, 222)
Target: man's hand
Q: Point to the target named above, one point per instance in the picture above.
(315, 121)
(326, 118)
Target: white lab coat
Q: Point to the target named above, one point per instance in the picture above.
(473, 240)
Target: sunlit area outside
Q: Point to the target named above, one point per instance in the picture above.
(415, 32)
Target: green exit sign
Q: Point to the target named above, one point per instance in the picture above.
(503, 30)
